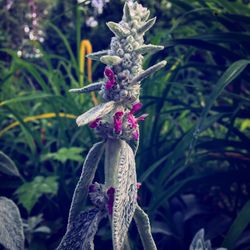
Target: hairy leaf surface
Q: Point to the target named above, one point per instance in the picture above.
(87, 176)
(125, 196)
(80, 235)
(11, 228)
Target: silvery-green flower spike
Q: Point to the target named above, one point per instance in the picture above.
(94, 113)
(115, 120)
(110, 60)
(87, 176)
(149, 48)
(148, 72)
(117, 29)
(143, 225)
(146, 26)
(91, 87)
(97, 55)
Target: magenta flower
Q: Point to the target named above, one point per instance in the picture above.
(136, 107)
(109, 84)
(111, 198)
(118, 121)
(95, 123)
(109, 73)
(136, 134)
(132, 121)
(119, 114)
(138, 185)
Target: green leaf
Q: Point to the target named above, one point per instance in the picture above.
(29, 193)
(7, 166)
(229, 75)
(11, 228)
(30, 97)
(240, 223)
(64, 154)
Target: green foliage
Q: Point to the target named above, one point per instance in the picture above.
(64, 154)
(238, 227)
(7, 166)
(29, 192)
(194, 141)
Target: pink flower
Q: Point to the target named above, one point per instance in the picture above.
(95, 123)
(136, 107)
(138, 185)
(142, 117)
(109, 73)
(132, 121)
(118, 121)
(109, 84)
(111, 198)
(119, 114)
(136, 135)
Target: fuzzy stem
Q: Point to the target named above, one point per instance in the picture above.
(112, 152)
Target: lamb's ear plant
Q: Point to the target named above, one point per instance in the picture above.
(115, 122)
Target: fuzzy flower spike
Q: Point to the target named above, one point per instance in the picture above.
(115, 120)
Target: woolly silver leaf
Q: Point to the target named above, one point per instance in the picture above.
(97, 55)
(80, 235)
(146, 16)
(87, 176)
(11, 227)
(149, 48)
(91, 87)
(199, 243)
(134, 144)
(95, 112)
(125, 196)
(148, 72)
(117, 29)
(143, 225)
(7, 166)
(110, 60)
(145, 27)
(127, 13)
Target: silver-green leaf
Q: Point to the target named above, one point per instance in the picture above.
(117, 29)
(125, 199)
(146, 26)
(87, 176)
(143, 225)
(94, 113)
(110, 60)
(148, 72)
(80, 235)
(91, 87)
(97, 55)
(149, 48)
(11, 227)
(127, 12)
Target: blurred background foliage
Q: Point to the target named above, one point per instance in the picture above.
(193, 160)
